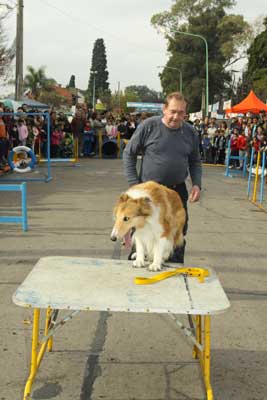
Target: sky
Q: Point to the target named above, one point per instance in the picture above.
(60, 35)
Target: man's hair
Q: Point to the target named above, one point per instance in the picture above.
(175, 95)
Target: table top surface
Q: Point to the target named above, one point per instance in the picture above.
(108, 285)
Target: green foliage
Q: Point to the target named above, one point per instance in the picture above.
(257, 63)
(142, 93)
(99, 65)
(182, 10)
(225, 35)
(131, 95)
(118, 101)
(37, 81)
(6, 55)
(241, 89)
(71, 82)
(52, 99)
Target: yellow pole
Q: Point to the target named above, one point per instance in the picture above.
(198, 326)
(39, 148)
(35, 340)
(254, 199)
(119, 144)
(76, 150)
(206, 359)
(47, 325)
(100, 139)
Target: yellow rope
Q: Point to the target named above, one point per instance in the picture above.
(200, 273)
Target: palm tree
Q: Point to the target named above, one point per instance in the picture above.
(35, 80)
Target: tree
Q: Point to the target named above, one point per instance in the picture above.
(242, 88)
(225, 33)
(6, 55)
(35, 80)
(99, 73)
(119, 100)
(257, 63)
(52, 99)
(71, 82)
(144, 94)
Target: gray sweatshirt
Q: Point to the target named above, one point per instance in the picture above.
(168, 155)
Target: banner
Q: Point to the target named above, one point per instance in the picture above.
(215, 106)
(227, 104)
(157, 106)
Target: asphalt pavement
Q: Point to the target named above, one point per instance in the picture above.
(124, 356)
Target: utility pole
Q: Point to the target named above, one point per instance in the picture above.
(19, 51)
(119, 97)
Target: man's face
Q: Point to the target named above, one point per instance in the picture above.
(174, 113)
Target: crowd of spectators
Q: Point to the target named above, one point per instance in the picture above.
(27, 128)
(243, 133)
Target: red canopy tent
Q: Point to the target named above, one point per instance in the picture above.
(250, 103)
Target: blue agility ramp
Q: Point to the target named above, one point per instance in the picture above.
(22, 219)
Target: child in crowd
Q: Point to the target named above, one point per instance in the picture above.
(111, 129)
(234, 150)
(56, 139)
(66, 148)
(242, 144)
(220, 145)
(30, 137)
(36, 138)
(206, 146)
(89, 140)
(22, 132)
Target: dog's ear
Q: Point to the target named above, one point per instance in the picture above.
(123, 198)
(144, 206)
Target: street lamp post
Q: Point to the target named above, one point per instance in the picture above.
(180, 76)
(207, 62)
(94, 74)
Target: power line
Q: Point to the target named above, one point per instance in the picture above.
(96, 27)
(79, 19)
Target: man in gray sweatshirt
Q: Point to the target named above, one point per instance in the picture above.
(170, 151)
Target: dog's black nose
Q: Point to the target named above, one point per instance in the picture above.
(113, 238)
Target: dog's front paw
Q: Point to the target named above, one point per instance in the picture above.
(154, 267)
(133, 256)
(138, 263)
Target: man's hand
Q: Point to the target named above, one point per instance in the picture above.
(194, 194)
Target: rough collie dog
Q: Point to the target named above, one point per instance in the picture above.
(153, 217)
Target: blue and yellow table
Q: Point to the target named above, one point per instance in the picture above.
(88, 284)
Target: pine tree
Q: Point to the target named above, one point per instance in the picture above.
(99, 73)
(71, 82)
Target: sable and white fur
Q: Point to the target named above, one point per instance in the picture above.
(156, 217)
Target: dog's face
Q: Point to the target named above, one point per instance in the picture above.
(130, 214)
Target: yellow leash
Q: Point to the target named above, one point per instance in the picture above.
(200, 273)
